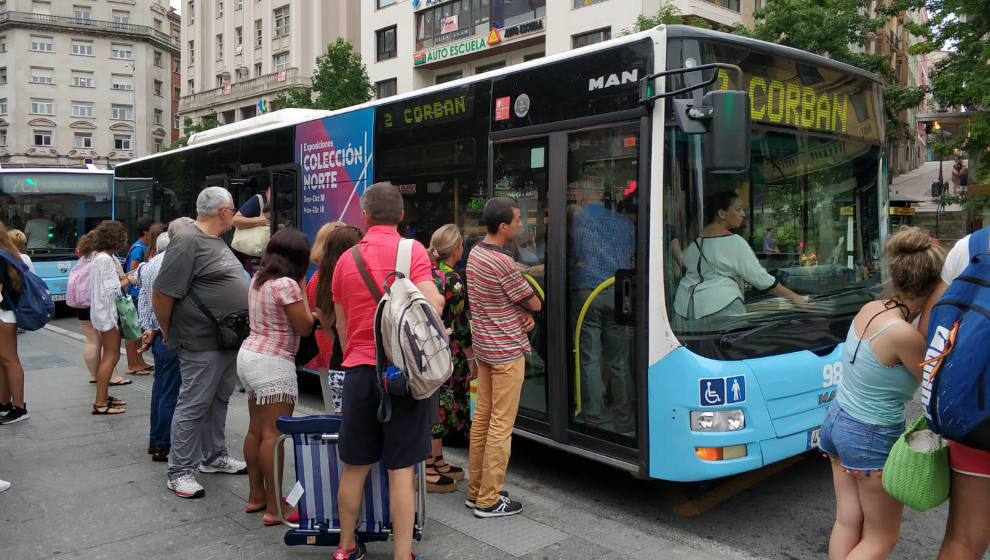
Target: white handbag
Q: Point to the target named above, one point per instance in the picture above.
(252, 240)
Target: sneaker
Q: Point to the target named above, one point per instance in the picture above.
(186, 487)
(504, 507)
(356, 553)
(16, 414)
(470, 503)
(5, 409)
(4, 485)
(224, 464)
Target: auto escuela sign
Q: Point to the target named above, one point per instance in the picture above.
(479, 42)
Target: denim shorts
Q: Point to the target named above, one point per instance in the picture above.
(858, 445)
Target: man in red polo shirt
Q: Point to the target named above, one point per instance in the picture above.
(405, 439)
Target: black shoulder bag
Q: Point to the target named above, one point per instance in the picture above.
(231, 329)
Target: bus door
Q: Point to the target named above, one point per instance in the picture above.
(286, 202)
(578, 195)
(134, 199)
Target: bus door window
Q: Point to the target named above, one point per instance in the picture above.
(521, 173)
(602, 170)
(285, 192)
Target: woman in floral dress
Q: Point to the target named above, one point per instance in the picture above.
(452, 419)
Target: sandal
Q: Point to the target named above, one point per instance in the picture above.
(446, 469)
(121, 381)
(159, 455)
(441, 484)
(114, 401)
(106, 409)
(142, 371)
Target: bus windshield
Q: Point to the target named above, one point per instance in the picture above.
(54, 208)
(811, 224)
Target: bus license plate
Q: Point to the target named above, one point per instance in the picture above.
(813, 436)
(58, 297)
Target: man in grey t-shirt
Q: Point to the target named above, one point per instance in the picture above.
(199, 263)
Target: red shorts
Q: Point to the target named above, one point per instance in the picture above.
(966, 460)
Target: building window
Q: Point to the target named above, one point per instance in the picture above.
(158, 116)
(176, 93)
(159, 146)
(281, 61)
(219, 80)
(125, 52)
(158, 24)
(121, 18)
(191, 11)
(82, 79)
(81, 12)
(176, 66)
(3, 75)
(519, 11)
(82, 109)
(158, 87)
(257, 69)
(175, 122)
(43, 7)
(43, 106)
(729, 4)
(259, 33)
(386, 3)
(3, 137)
(238, 37)
(386, 88)
(3, 105)
(453, 21)
(219, 46)
(122, 81)
(3, 43)
(533, 56)
(122, 141)
(42, 44)
(489, 67)
(42, 138)
(219, 8)
(82, 140)
(238, 4)
(122, 112)
(192, 51)
(157, 57)
(281, 16)
(591, 37)
(385, 43)
(448, 77)
(41, 75)
(83, 48)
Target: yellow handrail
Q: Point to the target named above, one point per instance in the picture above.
(577, 340)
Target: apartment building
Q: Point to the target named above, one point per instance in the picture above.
(409, 44)
(84, 79)
(237, 54)
(175, 92)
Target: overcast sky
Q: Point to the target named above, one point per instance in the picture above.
(177, 4)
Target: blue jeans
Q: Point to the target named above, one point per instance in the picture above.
(164, 392)
(858, 445)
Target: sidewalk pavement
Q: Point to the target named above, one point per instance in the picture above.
(85, 487)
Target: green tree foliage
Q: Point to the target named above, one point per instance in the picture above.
(963, 77)
(208, 121)
(668, 14)
(840, 30)
(340, 80)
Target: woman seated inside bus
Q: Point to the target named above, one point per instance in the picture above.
(880, 372)
(718, 261)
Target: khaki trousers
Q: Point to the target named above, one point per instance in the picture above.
(499, 386)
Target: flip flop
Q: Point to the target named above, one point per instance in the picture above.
(142, 371)
(121, 381)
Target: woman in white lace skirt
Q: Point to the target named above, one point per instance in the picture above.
(280, 313)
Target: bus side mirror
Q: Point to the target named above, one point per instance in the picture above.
(727, 140)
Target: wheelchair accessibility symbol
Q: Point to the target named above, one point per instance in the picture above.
(718, 391)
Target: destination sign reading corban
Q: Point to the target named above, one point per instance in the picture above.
(438, 109)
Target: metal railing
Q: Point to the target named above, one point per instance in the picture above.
(92, 25)
(248, 88)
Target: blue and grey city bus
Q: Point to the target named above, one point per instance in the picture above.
(642, 129)
(54, 207)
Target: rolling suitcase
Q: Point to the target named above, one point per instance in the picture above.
(318, 468)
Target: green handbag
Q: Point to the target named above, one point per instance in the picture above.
(127, 318)
(919, 479)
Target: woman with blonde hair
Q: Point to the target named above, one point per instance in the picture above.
(880, 372)
(12, 406)
(451, 404)
(339, 238)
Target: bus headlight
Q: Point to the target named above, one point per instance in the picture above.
(717, 420)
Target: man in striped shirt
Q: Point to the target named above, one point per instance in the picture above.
(500, 300)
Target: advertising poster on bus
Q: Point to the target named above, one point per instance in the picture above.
(335, 154)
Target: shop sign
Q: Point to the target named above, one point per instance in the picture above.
(421, 4)
(446, 52)
(519, 30)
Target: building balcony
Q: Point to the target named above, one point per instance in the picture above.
(91, 26)
(237, 91)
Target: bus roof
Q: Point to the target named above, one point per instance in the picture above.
(291, 117)
(65, 170)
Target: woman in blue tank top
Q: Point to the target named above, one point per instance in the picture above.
(880, 372)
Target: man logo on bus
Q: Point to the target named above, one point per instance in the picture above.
(612, 80)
